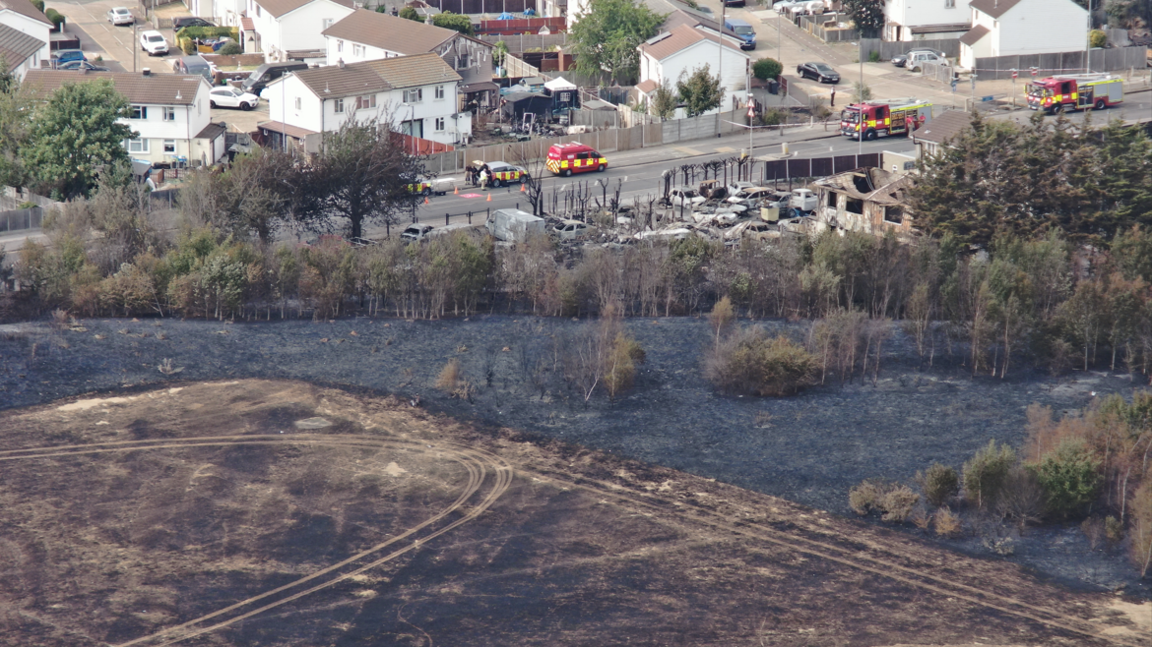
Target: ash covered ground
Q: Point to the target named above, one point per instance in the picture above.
(809, 448)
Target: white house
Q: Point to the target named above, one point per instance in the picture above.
(417, 92)
(170, 112)
(1022, 27)
(24, 39)
(920, 19)
(367, 35)
(225, 12)
(683, 49)
(292, 29)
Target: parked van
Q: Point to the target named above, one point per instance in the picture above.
(268, 73)
(917, 59)
(574, 157)
(193, 65)
(744, 31)
(514, 225)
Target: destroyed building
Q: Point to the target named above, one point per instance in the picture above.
(868, 200)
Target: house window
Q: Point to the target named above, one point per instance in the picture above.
(169, 113)
(139, 112)
(365, 102)
(462, 61)
(855, 206)
(439, 92)
(137, 145)
(169, 145)
(257, 11)
(339, 106)
(357, 50)
(439, 124)
(414, 96)
(299, 103)
(339, 46)
(831, 204)
(949, 4)
(327, 23)
(894, 215)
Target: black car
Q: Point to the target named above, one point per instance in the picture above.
(733, 3)
(822, 72)
(81, 66)
(190, 21)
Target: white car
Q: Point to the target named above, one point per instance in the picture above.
(685, 197)
(121, 16)
(785, 5)
(229, 97)
(153, 42)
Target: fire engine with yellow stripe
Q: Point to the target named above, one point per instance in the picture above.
(1075, 92)
(888, 118)
(574, 157)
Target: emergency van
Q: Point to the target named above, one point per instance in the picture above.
(574, 157)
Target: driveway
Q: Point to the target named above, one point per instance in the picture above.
(113, 43)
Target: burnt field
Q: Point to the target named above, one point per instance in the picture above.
(274, 513)
(809, 449)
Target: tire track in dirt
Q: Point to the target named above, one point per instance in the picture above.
(852, 557)
(482, 467)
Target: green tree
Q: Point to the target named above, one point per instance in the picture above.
(986, 471)
(15, 104)
(73, 135)
(1070, 478)
(1097, 38)
(499, 53)
(605, 39)
(664, 101)
(867, 14)
(455, 22)
(410, 14)
(767, 68)
(699, 91)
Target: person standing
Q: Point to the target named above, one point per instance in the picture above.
(833, 104)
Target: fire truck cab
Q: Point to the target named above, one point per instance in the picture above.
(1075, 92)
(889, 118)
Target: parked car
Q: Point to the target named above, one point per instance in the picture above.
(901, 60)
(705, 10)
(62, 56)
(121, 16)
(502, 173)
(572, 229)
(229, 97)
(153, 42)
(269, 72)
(81, 66)
(743, 30)
(821, 72)
(685, 197)
(917, 59)
(194, 64)
(804, 200)
(783, 6)
(190, 21)
(733, 3)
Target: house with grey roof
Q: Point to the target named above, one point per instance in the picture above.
(678, 52)
(935, 135)
(292, 29)
(1022, 27)
(367, 35)
(24, 39)
(416, 94)
(170, 113)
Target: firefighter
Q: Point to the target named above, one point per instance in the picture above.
(485, 176)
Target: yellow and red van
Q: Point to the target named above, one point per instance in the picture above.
(574, 157)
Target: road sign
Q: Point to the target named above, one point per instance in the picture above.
(751, 110)
(1013, 75)
(954, 82)
(1035, 70)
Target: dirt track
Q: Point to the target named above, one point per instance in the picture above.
(490, 540)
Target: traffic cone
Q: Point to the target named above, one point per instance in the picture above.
(521, 187)
(456, 191)
(489, 198)
(426, 200)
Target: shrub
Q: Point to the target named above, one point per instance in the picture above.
(230, 49)
(209, 32)
(940, 482)
(455, 22)
(751, 362)
(1021, 497)
(1070, 479)
(893, 501)
(1097, 38)
(410, 14)
(898, 504)
(1113, 529)
(874, 56)
(866, 497)
(767, 68)
(56, 17)
(620, 368)
(985, 472)
(1141, 528)
(947, 523)
(39, 4)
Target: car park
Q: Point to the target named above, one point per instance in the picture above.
(821, 72)
(81, 66)
(153, 42)
(229, 97)
(682, 196)
(121, 16)
(190, 21)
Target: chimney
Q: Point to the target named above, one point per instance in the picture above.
(147, 72)
(340, 63)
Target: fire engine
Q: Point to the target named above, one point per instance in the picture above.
(884, 118)
(1056, 93)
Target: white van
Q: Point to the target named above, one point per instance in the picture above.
(917, 60)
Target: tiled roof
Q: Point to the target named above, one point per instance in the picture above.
(370, 77)
(646, 86)
(16, 46)
(974, 35)
(280, 7)
(154, 89)
(944, 127)
(247, 24)
(997, 8)
(389, 32)
(25, 8)
(678, 39)
(211, 131)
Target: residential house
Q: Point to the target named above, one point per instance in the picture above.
(293, 29)
(1022, 27)
(867, 200)
(366, 35)
(908, 20)
(24, 36)
(417, 93)
(224, 12)
(170, 112)
(935, 134)
(683, 49)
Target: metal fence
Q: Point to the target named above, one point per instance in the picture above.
(1099, 60)
(802, 168)
(20, 219)
(891, 49)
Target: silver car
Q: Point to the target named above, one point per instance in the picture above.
(121, 16)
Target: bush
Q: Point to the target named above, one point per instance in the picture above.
(410, 14)
(1097, 38)
(230, 49)
(620, 369)
(940, 482)
(893, 501)
(1021, 497)
(1070, 479)
(985, 472)
(39, 4)
(874, 56)
(898, 504)
(947, 523)
(767, 68)
(1141, 528)
(455, 22)
(866, 497)
(209, 32)
(56, 17)
(751, 362)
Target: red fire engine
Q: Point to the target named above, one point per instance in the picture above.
(874, 119)
(1057, 93)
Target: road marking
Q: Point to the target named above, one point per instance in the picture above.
(687, 151)
(725, 149)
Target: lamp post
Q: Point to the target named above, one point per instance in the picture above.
(720, 62)
(860, 117)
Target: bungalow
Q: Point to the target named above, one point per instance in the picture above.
(868, 200)
(416, 92)
(936, 134)
(24, 39)
(170, 112)
(292, 29)
(683, 49)
(367, 35)
(1022, 27)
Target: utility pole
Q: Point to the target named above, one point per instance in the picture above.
(860, 117)
(720, 63)
(1088, 41)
